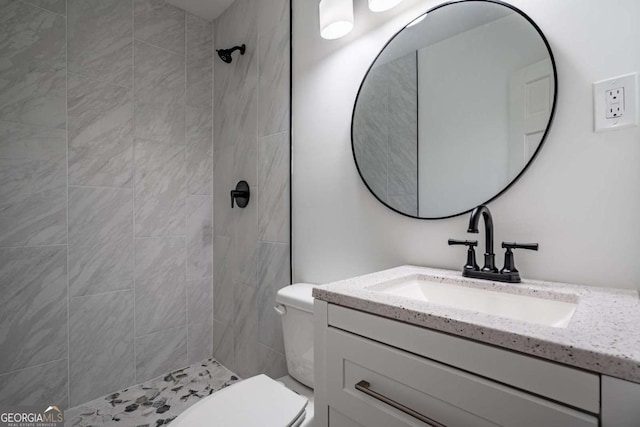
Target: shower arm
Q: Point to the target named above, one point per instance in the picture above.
(240, 48)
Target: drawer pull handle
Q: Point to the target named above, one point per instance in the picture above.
(364, 387)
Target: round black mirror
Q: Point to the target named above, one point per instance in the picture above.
(454, 109)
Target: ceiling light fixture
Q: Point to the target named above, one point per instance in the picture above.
(336, 18)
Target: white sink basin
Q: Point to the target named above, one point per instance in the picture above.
(518, 307)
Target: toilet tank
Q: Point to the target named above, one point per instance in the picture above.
(295, 306)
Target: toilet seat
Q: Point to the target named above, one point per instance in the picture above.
(255, 402)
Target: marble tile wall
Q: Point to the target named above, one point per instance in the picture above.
(403, 134)
(251, 142)
(106, 196)
(371, 132)
(386, 131)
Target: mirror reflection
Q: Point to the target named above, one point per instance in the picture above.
(453, 109)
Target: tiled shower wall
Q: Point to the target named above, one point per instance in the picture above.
(251, 128)
(106, 160)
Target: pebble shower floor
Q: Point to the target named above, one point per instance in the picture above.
(156, 402)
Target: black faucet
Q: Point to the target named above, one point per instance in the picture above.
(489, 256)
(489, 271)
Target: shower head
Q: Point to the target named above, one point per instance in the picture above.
(225, 54)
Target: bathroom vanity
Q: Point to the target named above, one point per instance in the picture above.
(415, 346)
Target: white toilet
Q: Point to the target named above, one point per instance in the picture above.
(261, 401)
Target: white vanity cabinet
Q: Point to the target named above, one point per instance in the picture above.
(377, 372)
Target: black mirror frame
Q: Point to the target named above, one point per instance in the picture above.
(535, 154)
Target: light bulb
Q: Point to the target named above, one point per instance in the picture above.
(336, 18)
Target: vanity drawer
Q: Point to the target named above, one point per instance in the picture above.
(570, 386)
(393, 383)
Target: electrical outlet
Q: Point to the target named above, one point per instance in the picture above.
(614, 99)
(615, 103)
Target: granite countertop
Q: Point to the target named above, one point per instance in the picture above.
(603, 335)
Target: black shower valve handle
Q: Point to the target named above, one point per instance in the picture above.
(241, 195)
(234, 194)
(238, 194)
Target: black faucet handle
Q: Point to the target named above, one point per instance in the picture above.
(469, 243)
(514, 245)
(509, 262)
(471, 253)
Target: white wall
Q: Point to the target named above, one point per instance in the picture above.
(579, 199)
(469, 124)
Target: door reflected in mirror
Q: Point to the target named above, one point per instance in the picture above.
(454, 109)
